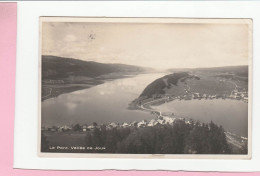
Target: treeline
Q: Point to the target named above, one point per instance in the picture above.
(179, 138)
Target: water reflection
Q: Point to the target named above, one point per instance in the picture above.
(104, 103)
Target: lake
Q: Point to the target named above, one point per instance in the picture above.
(108, 102)
(103, 103)
(231, 114)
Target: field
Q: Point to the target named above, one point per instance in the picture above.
(211, 85)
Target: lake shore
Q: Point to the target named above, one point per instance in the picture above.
(54, 88)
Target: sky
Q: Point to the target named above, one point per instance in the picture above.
(161, 46)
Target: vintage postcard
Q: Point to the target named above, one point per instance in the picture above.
(145, 87)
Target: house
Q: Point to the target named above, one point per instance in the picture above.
(134, 124)
(53, 129)
(153, 122)
(114, 125)
(187, 122)
(84, 128)
(124, 125)
(142, 124)
(66, 128)
(91, 127)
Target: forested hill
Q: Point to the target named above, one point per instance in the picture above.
(54, 67)
(217, 80)
(159, 85)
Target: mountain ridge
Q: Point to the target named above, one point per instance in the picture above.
(55, 67)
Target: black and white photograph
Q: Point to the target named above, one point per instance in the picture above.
(175, 87)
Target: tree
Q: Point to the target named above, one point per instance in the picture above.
(217, 139)
(97, 138)
(95, 124)
(179, 138)
(77, 127)
(88, 141)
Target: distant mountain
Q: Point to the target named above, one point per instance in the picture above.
(56, 68)
(241, 70)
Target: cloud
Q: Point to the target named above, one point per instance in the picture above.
(149, 45)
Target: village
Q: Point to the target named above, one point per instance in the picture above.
(237, 94)
(161, 119)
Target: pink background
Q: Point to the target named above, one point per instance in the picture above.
(7, 104)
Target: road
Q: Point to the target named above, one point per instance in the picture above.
(151, 110)
(234, 88)
(233, 141)
(159, 112)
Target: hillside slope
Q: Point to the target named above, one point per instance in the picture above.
(57, 68)
(160, 85)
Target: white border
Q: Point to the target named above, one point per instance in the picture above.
(149, 21)
(25, 154)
